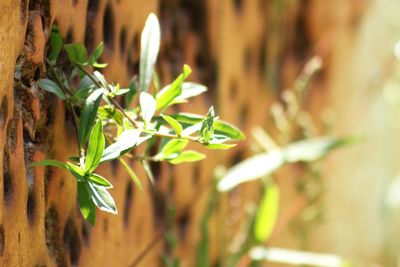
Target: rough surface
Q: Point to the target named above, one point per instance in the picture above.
(245, 51)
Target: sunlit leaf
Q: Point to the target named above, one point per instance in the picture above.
(172, 148)
(219, 146)
(263, 164)
(207, 127)
(101, 198)
(86, 205)
(296, 257)
(76, 171)
(95, 147)
(189, 89)
(99, 180)
(131, 173)
(170, 92)
(147, 105)
(267, 213)
(52, 87)
(125, 143)
(187, 156)
(173, 123)
(88, 115)
(110, 112)
(150, 45)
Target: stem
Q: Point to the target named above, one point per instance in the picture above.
(147, 249)
(55, 76)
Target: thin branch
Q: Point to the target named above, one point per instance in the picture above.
(147, 249)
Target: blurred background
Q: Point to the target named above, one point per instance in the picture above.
(281, 70)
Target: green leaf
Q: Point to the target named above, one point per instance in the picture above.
(99, 180)
(86, 205)
(170, 92)
(190, 89)
(99, 65)
(147, 169)
(52, 87)
(76, 53)
(135, 179)
(228, 130)
(126, 142)
(219, 146)
(220, 127)
(56, 44)
(88, 115)
(172, 148)
(147, 105)
(101, 198)
(150, 45)
(97, 53)
(85, 85)
(51, 162)
(95, 147)
(76, 171)
(267, 213)
(132, 92)
(173, 123)
(187, 156)
(207, 128)
(263, 164)
(110, 112)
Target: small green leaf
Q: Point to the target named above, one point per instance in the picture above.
(76, 53)
(99, 65)
(85, 85)
(76, 171)
(190, 89)
(86, 205)
(132, 92)
(172, 148)
(51, 162)
(88, 115)
(170, 92)
(95, 147)
(219, 146)
(147, 169)
(150, 45)
(99, 180)
(101, 198)
(148, 106)
(126, 142)
(97, 53)
(207, 128)
(173, 123)
(110, 112)
(56, 44)
(52, 87)
(187, 156)
(267, 213)
(135, 179)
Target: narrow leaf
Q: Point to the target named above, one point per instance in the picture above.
(173, 123)
(190, 89)
(76, 171)
(219, 146)
(88, 115)
(99, 180)
(128, 169)
(52, 87)
(174, 146)
(51, 162)
(56, 44)
(170, 92)
(101, 198)
(150, 45)
(147, 169)
(147, 105)
(187, 156)
(95, 147)
(110, 112)
(97, 53)
(86, 205)
(267, 213)
(126, 142)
